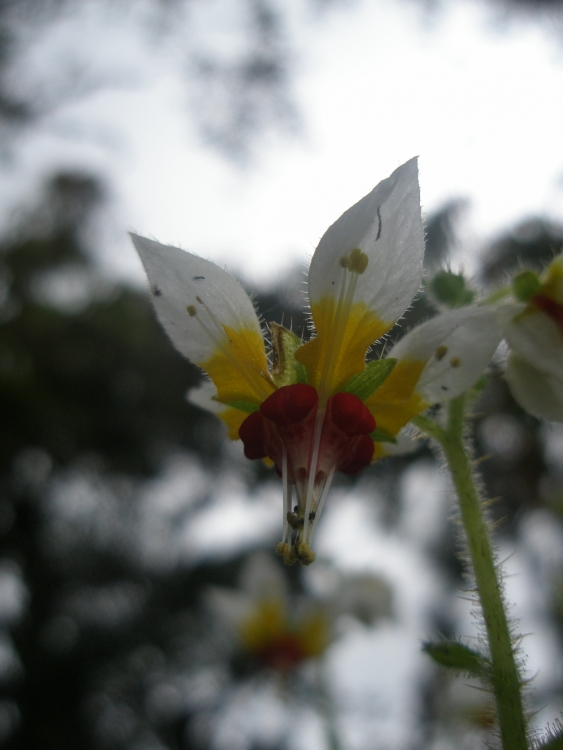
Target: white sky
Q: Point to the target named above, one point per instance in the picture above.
(377, 83)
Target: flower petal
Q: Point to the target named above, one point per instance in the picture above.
(537, 339)
(541, 394)
(363, 275)
(438, 360)
(405, 444)
(210, 319)
(552, 285)
(205, 396)
(462, 356)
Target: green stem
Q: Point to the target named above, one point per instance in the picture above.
(505, 678)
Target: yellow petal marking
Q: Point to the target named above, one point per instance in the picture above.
(268, 621)
(239, 367)
(338, 351)
(553, 284)
(313, 634)
(378, 452)
(233, 418)
(396, 402)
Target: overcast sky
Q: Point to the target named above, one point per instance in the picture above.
(376, 83)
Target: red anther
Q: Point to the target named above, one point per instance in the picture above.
(290, 404)
(255, 434)
(358, 456)
(351, 415)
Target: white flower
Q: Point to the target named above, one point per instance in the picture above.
(317, 408)
(535, 335)
(267, 623)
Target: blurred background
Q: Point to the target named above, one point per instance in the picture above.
(140, 605)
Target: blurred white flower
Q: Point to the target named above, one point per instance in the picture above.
(535, 335)
(281, 630)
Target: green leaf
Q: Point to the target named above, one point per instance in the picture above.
(372, 378)
(380, 436)
(451, 289)
(286, 370)
(455, 655)
(246, 406)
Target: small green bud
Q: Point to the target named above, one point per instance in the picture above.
(451, 289)
(525, 285)
(456, 656)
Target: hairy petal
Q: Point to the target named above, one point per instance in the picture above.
(437, 360)
(536, 338)
(462, 356)
(205, 396)
(454, 348)
(210, 319)
(386, 225)
(539, 393)
(363, 275)
(405, 444)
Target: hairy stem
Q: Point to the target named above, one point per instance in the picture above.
(504, 674)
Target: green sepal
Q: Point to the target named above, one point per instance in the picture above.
(480, 385)
(455, 655)
(372, 378)
(246, 406)
(380, 436)
(286, 370)
(451, 289)
(525, 285)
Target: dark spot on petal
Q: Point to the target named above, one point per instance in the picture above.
(441, 352)
(380, 224)
(197, 278)
(157, 291)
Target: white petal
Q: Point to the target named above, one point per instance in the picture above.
(204, 397)
(537, 339)
(387, 226)
(457, 345)
(541, 394)
(179, 279)
(405, 444)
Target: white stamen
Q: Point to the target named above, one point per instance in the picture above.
(320, 504)
(313, 469)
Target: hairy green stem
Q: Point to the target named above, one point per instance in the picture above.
(504, 674)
